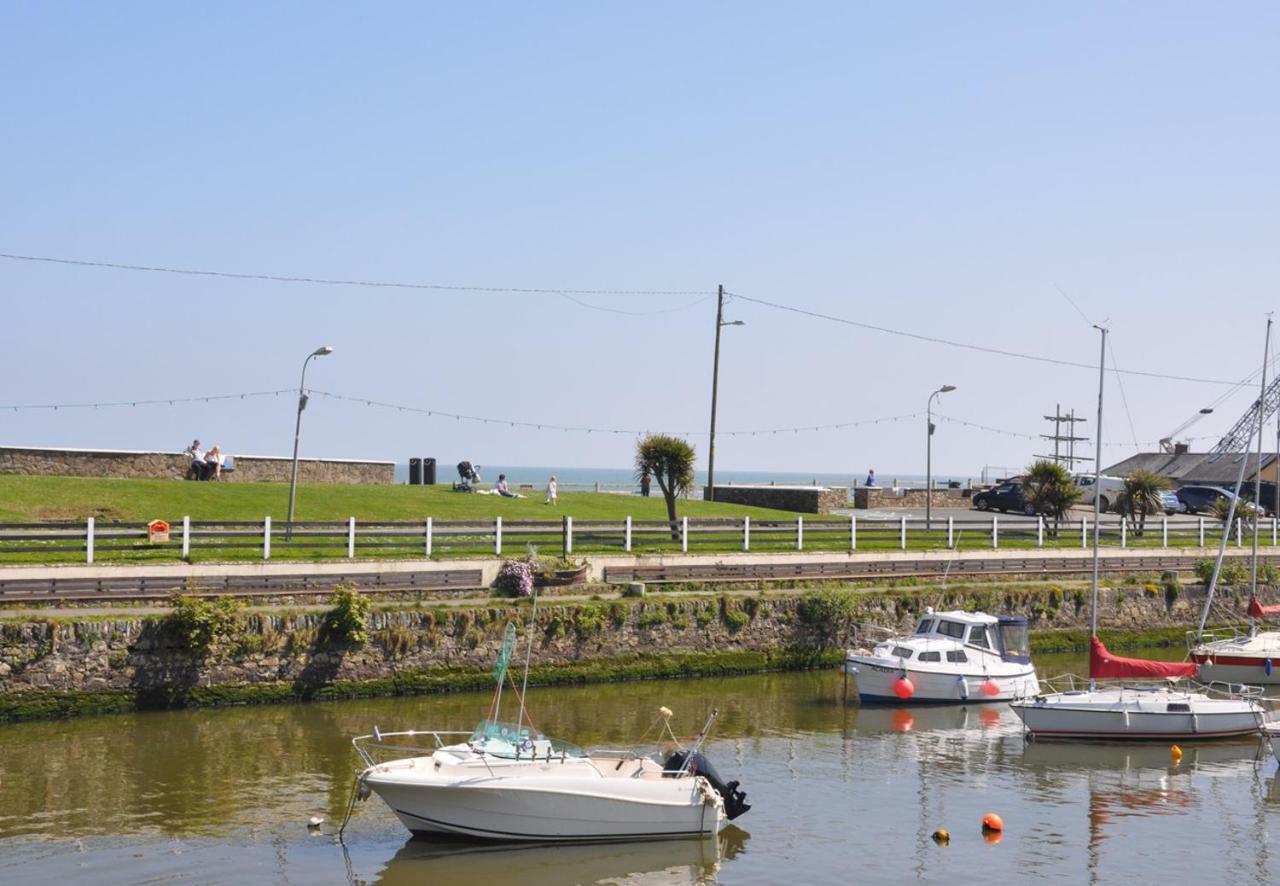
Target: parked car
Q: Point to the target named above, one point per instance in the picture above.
(1004, 498)
(1201, 499)
(1111, 488)
(1171, 504)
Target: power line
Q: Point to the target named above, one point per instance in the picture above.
(969, 346)
(567, 294)
(162, 401)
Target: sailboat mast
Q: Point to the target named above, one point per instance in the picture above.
(1257, 477)
(1097, 483)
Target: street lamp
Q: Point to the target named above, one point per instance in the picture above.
(928, 455)
(715, 384)
(297, 430)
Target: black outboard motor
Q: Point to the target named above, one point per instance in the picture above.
(735, 801)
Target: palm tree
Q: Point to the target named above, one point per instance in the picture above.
(1140, 496)
(669, 460)
(1049, 488)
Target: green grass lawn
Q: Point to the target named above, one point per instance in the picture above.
(38, 499)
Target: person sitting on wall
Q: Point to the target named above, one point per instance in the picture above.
(871, 477)
(197, 469)
(213, 462)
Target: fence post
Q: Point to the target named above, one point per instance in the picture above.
(1201, 531)
(626, 535)
(428, 539)
(746, 533)
(351, 537)
(88, 540)
(1124, 533)
(1084, 532)
(995, 532)
(186, 537)
(1273, 532)
(497, 536)
(1164, 532)
(853, 533)
(1239, 532)
(799, 533)
(1040, 531)
(951, 532)
(684, 535)
(902, 533)
(568, 535)
(266, 538)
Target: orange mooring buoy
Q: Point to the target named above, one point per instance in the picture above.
(1175, 754)
(903, 688)
(992, 822)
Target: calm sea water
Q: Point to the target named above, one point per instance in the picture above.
(841, 794)
(623, 479)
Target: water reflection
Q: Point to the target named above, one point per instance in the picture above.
(670, 862)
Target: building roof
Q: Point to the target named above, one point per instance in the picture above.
(1187, 468)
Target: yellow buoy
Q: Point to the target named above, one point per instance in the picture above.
(941, 837)
(1175, 754)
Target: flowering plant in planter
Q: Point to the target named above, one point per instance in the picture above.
(515, 579)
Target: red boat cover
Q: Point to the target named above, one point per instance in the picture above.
(1103, 665)
(1257, 610)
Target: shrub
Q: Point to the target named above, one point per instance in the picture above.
(704, 616)
(652, 617)
(589, 621)
(515, 579)
(734, 620)
(198, 624)
(346, 623)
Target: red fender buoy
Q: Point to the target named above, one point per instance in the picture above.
(903, 688)
(990, 687)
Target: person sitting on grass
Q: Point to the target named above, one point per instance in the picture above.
(501, 487)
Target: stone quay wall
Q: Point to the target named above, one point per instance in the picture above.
(879, 497)
(54, 666)
(51, 462)
(801, 499)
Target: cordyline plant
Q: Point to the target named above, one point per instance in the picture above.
(669, 460)
(1049, 487)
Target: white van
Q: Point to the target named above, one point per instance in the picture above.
(1111, 488)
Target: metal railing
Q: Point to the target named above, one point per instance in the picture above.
(93, 540)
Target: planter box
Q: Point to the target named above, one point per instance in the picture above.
(561, 577)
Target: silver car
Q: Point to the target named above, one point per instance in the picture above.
(1171, 503)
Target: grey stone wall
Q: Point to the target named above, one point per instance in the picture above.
(49, 462)
(801, 499)
(873, 497)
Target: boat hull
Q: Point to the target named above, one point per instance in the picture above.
(875, 678)
(561, 810)
(1137, 715)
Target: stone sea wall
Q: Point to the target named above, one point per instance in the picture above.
(47, 462)
(801, 499)
(57, 666)
(873, 497)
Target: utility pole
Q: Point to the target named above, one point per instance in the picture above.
(1058, 437)
(715, 385)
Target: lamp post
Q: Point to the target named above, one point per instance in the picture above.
(297, 430)
(715, 384)
(928, 456)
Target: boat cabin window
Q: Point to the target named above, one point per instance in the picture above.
(902, 651)
(926, 626)
(951, 628)
(1014, 642)
(957, 655)
(978, 636)
(930, 656)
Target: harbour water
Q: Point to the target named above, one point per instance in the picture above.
(841, 794)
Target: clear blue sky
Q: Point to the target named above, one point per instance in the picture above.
(941, 168)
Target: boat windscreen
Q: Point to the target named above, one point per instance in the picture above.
(1015, 643)
(513, 741)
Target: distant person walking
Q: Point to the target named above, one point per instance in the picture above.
(644, 484)
(871, 477)
(551, 491)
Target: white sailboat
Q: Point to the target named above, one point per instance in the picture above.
(953, 657)
(507, 781)
(1137, 711)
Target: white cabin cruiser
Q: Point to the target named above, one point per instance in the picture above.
(503, 782)
(953, 657)
(1252, 657)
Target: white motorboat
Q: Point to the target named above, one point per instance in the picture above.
(509, 782)
(1157, 709)
(504, 782)
(953, 657)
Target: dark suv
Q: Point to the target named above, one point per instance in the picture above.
(1201, 499)
(1005, 497)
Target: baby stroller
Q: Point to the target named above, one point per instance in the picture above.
(470, 477)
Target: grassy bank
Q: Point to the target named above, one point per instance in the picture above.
(35, 499)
